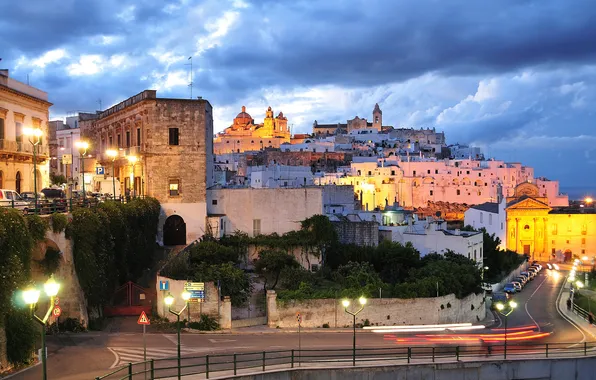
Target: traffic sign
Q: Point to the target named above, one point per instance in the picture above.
(164, 285)
(56, 301)
(298, 318)
(143, 320)
(196, 290)
(100, 170)
(57, 311)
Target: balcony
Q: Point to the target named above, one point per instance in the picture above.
(9, 146)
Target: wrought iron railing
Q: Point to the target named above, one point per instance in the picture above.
(227, 365)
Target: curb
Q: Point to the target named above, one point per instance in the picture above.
(271, 331)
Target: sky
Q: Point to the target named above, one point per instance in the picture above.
(516, 77)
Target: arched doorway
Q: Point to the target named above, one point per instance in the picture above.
(174, 231)
(568, 255)
(17, 185)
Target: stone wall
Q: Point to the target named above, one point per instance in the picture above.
(362, 233)
(221, 310)
(71, 297)
(379, 312)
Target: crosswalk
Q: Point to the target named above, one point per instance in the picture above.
(125, 355)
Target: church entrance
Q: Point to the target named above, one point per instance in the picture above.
(174, 231)
(568, 255)
(526, 249)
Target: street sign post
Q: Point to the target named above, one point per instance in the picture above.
(299, 320)
(164, 285)
(56, 301)
(143, 320)
(100, 170)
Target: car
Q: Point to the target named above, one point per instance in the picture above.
(510, 288)
(522, 280)
(530, 275)
(555, 267)
(518, 286)
(549, 266)
(10, 198)
(500, 297)
(533, 270)
(537, 266)
(525, 276)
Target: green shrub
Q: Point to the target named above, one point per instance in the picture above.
(59, 222)
(37, 227)
(51, 261)
(21, 335)
(206, 323)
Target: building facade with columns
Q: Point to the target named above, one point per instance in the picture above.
(164, 150)
(22, 107)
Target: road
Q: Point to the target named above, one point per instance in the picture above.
(84, 356)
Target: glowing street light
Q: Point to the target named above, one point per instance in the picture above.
(31, 297)
(346, 304)
(169, 301)
(501, 308)
(588, 200)
(133, 160)
(34, 135)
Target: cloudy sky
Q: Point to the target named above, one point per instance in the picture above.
(517, 77)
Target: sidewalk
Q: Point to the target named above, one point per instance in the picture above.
(589, 330)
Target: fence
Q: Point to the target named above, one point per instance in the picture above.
(242, 363)
(45, 206)
(581, 312)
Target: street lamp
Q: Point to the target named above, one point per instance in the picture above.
(34, 135)
(133, 160)
(169, 300)
(501, 307)
(83, 146)
(113, 154)
(346, 304)
(31, 296)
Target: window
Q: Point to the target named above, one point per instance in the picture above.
(526, 227)
(111, 140)
(1, 130)
(467, 172)
(479, 174)
(174, 187)
(583, 251)
(428, 171)
(458, 192)
(553, 251)
(431, 192)
(490, 219)
(369, 173)
(256, 227)
(128, 139)
(414, 173)
(583, 239)
(138, 136)
(393, 172)
(119, 141)
(174, 137)
(567, 241)
(501, 226)
(436, 171)
(214, 202)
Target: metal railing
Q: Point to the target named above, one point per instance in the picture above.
(62, 205)
(224, 365)
(581, 312)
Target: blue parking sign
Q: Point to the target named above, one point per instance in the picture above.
(100, 170)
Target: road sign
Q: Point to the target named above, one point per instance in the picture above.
(67, 159)
(100, 170)
(164, 285)
(57, 311)
(298, 318)
(143, 320)
(196, 290)
(56, 301)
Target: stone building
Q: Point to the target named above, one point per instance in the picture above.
(244, 135)
(22, 106)
(171, 140)
(354, 124)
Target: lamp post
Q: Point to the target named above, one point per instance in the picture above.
(113, 154)
(346, 304)
(501, 307)
(133, 160)
(169, 300)
(34, 135)
(31, 296)
(83, 146)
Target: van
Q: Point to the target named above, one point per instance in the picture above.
(10, 198)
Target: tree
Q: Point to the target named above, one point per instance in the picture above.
(271, 263)
(57, 179)
(358, 279)
(320, 234)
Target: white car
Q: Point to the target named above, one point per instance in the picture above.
(10, 198)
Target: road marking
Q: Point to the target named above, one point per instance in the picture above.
(528, 300)
(221, 340)
(173, 339)
(125, 355)
(564, 316)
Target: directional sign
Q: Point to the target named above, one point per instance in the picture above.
(67, 159)
(143, 320)
(196, 290)
(100, 170)
(57, 311)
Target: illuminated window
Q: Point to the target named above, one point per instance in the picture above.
(174, 187)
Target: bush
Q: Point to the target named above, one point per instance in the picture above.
(21, 335)
(37, 227)
(51, 261)
(59, 222)
(206, 323)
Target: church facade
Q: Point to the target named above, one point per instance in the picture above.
(244, 135)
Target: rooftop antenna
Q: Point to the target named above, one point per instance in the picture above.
(190, 84)
(99, 101)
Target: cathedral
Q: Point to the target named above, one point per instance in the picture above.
(244, 135)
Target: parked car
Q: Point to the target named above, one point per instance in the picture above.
(29, 196)
(510, 288)
(528, 274)
(56, 197)
(518, 286)
(522, 280)
(499, 297)
(10, 198)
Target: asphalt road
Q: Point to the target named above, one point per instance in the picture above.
(87, 355)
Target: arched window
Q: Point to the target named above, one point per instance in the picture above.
(18, 183)
(526, 227)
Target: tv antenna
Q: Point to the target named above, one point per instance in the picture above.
(99, 101)
(190, 84)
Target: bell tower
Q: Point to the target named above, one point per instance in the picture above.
(377, 118)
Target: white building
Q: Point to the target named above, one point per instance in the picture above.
(309, 146)
(432, 236)
(491, 216)
(465, 151)
(274, 176)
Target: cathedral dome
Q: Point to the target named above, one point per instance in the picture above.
(243, 117)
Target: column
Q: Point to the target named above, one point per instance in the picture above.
(545, 236)
(272, 314)
(516, 234)
(225, 313)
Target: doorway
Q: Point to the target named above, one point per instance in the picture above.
(526, 249)
(174, 231)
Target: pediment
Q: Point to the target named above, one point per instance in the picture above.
(528, 203)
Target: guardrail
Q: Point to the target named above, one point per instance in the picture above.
(242, 363)
(45, 207)
(581, 312)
